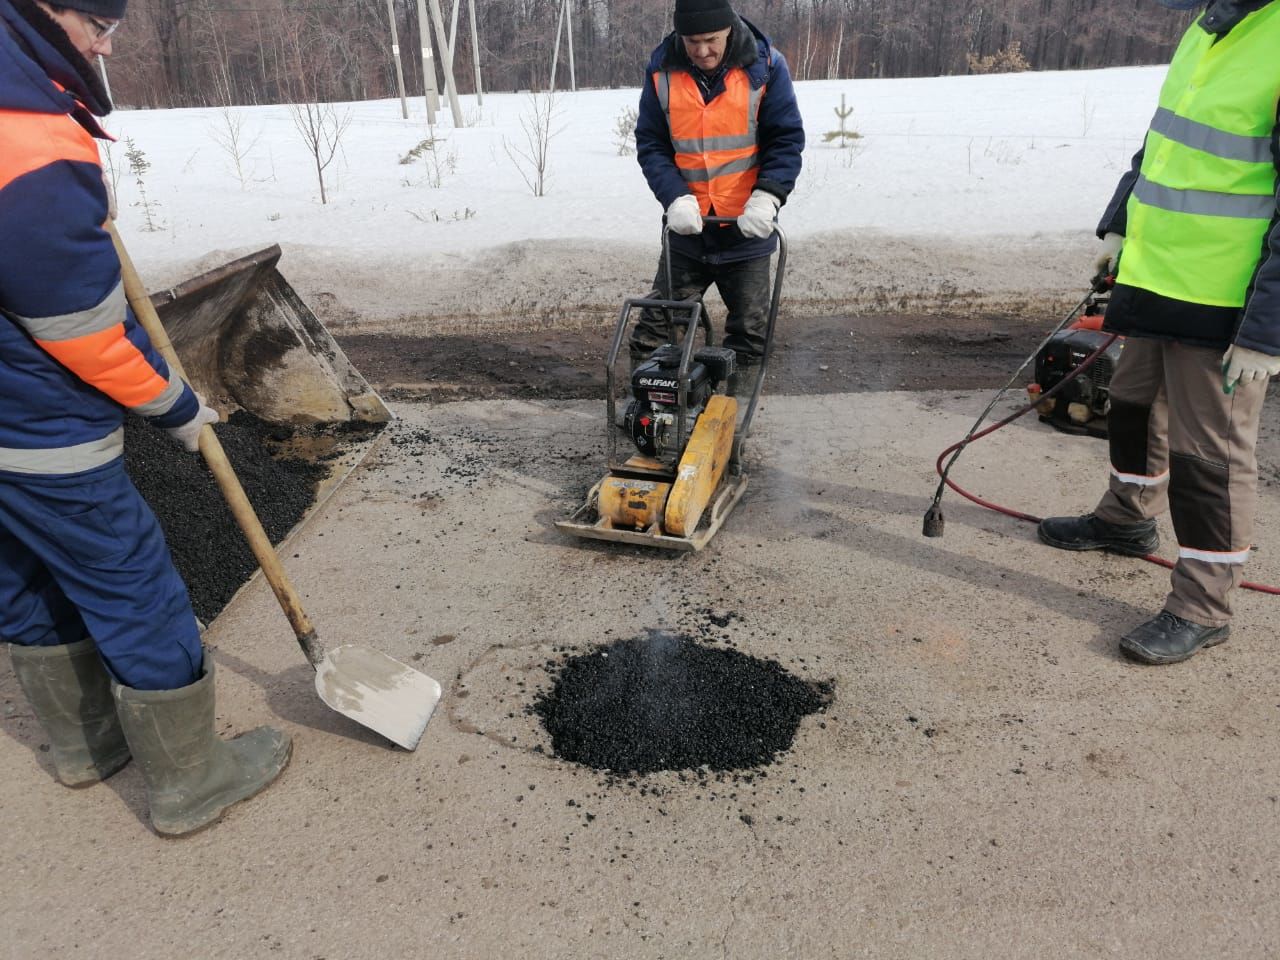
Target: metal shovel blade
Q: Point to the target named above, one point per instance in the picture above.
(378, 692)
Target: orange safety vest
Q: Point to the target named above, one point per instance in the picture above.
(716, 143)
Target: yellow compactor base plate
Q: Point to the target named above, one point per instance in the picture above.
(667, 514)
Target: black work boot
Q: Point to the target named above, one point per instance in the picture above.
(1091, 533)
(1167, 638)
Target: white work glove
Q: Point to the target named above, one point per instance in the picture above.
(1242, 365)
(684, 216)
(188, 434)
(1104, 264)
(756, 218)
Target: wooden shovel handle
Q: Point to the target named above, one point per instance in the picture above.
(221, 467)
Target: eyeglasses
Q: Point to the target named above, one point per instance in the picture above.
(101, 29)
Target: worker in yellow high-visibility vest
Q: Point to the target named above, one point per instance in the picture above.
(1195, 228)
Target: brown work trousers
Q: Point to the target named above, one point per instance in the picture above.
(1178, 442)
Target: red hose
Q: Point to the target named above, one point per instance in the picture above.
(1018, 514)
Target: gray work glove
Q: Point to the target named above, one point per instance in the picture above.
(1242, 365)
(684, 216)
(1104, 264)
(756, 218)
(188, 434)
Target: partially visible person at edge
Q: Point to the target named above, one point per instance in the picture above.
(1196, 227)
(98, 622)
(718, 134)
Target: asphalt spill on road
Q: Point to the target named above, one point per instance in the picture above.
(666, 702)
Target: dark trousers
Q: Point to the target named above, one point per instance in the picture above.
(1178, 442)
(744, 287)
(83, 555)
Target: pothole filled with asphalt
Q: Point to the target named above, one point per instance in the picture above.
(666, 702)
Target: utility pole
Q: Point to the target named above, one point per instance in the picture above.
(568, 22)
(555, 53)
(395, 54)
(428, 66)
(475, 50)
(450, 87)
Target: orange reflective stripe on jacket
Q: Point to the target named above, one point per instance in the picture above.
(45, 138)
(716, 143)
(109, 361)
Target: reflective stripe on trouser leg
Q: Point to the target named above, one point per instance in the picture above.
(33, 609)
(101, 544)
(1137, 431)
(744, 287)
(1213, 482)
(689, 278)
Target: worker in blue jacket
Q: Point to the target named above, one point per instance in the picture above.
(718, 134)
(99, 625)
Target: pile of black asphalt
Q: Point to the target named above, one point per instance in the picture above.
(207, 546)
(666, 702)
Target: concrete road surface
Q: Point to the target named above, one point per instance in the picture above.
(991, 780)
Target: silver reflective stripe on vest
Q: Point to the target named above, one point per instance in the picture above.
(163, 403)
(753, 112)
(703, 174)
(715, 143)
(68, 326)
(59, 460)
(1201, 136)
(1205, 203)
(710, 144)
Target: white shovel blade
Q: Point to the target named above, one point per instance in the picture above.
(378, 692)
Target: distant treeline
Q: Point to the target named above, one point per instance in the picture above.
(221, 52)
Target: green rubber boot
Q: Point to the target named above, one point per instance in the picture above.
(191, 774)
(70, 693)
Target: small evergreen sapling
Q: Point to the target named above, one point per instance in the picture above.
(139, 165)
(843, 136)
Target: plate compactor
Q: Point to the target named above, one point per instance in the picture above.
(688, 433)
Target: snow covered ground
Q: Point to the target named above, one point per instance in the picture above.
(960, 187)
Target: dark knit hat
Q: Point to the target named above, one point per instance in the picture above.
(107, 9)
(695, 17)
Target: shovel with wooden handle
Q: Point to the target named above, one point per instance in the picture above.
(359, 682)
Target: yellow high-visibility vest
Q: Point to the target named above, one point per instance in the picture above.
(1206, 191)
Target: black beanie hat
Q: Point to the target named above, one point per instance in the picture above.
(695, 17)
(108, 9)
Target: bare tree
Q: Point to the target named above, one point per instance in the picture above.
(230, 135)
(321, 127)
(199, 52)
(533, 156)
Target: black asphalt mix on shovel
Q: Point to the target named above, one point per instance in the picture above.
(358, 682)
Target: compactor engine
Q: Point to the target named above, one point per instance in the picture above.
(652, 417)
